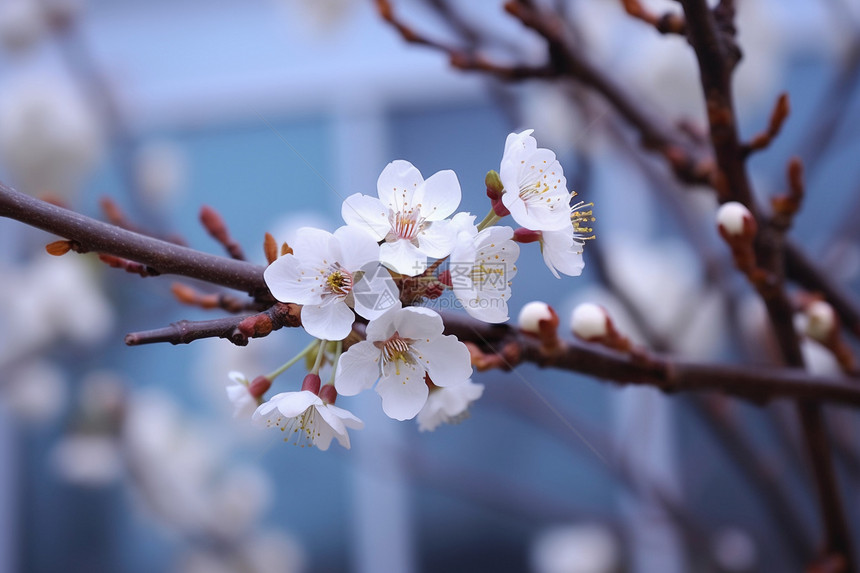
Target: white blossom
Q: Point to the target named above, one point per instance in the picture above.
(448, 405)
(482, 268)
(244, 403)
(535, 187)
(49, 137)
(585, 548)
(409, 216)
(307, 420)
(87, 460)
(329, 274)
(403, 346)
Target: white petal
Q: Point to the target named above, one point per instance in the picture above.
(366, 213)
(293, 404)
(357, 369)
(290, 281)
(562, 253)
(375, 293)
(382, 327)
(403, 391)
(397, 185)
(418, 323)
(437, 240)
(446, 359)
(403, 257)
(339, 420)
(330, 321)
(312, 246)
(357, 248)
(440, 196)
(464, 222)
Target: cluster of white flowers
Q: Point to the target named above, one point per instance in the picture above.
(383, 263)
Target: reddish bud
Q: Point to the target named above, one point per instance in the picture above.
(270, 248)
(311, 383)
(328, 394)
(523, 235)
(499, 208)
(259, 386)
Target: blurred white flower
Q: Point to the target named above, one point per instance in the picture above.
(36, 391)
(49, 300)
(238, 500)
(237, 391)
(448, 405)
(49, 137)
(735, 550)
(87, 460)
(273, 551)
(160, 172)
(21, 24)
(586, 548)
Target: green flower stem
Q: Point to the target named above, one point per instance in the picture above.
(490, 220)
(292, 361)
(337, 352)
(318, 361)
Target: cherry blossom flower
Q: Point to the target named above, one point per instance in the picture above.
(481, 268)
(403, 345)
(535, 187)
(409, 216)
(239, 394)
(307, 420)
(448, 405)
(562, 249)
(328, 274)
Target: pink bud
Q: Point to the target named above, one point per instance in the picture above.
(259, 386)
(311, 383)
(328, 394)
(523, 235)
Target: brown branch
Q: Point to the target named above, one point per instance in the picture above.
(128, 266)
(190, 296)
(236, 329)
(758, 385)
(217, 229)
(668, 23)
(716, 57)
(778, 116)
(164, 257)
(185, 331)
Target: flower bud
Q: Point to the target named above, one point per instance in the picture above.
(523, 235)
(589, 321)
(735, 219)
(494, 185)
(532, 314)
(821, 321)
(311, 383)
(328, 394)
(259, 386)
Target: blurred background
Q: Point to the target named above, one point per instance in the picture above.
(128, 459)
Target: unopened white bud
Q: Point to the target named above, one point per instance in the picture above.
(531, 315)
(821, 320)
(589, 321)
(731, 215)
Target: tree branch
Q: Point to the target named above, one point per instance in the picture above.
(163, 257)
